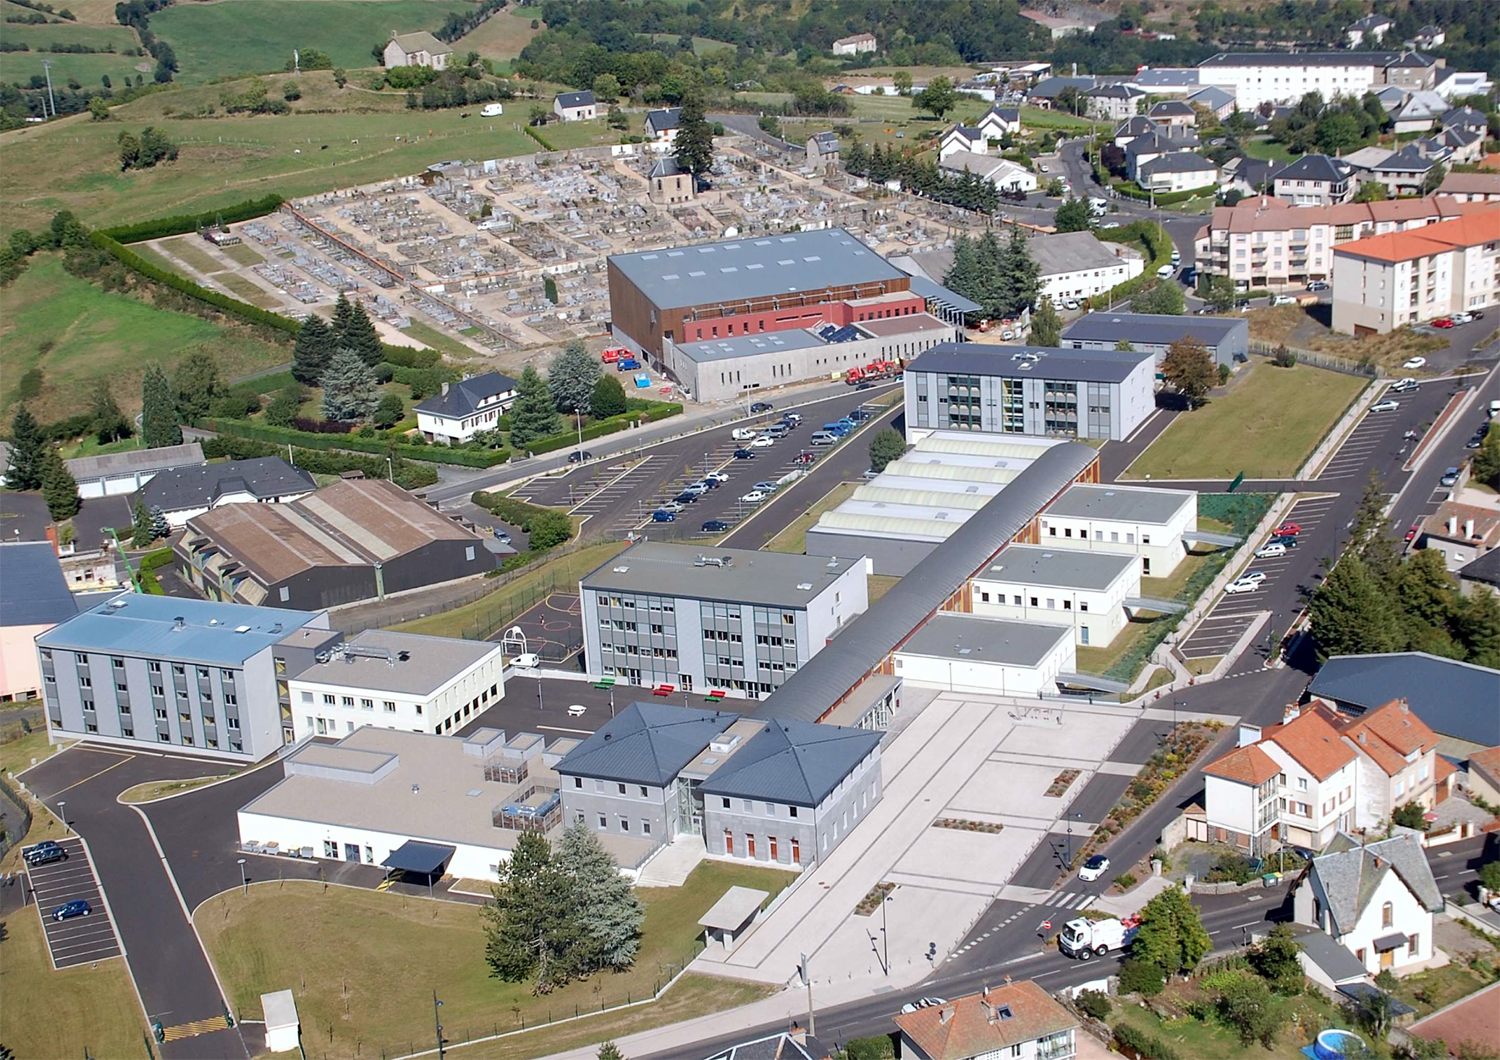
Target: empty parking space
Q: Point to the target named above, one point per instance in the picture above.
(79, 939)
(1376, 433)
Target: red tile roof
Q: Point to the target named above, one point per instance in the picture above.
(1387, 734)
(1245, 765)
(1488, 761)
(1313, 742)
(1440, 238)
(978, 1023)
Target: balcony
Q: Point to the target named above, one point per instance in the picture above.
(1057, 1047)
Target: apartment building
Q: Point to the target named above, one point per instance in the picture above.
(1397, 760)
(1285, 77)
(1401, 278)
(1267, 243)
(1316, 180)
(1087, 590)
(1153, 524)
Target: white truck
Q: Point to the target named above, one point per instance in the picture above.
(1086, 939)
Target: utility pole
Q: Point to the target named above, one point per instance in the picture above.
(437, 1024)
(47, 68)
(812, 1024)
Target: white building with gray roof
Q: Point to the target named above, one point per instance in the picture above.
(1075, 265)
(1056, 586)
(993, 656)
(184, 492)
(704, 618)
(116, 473)
(1154, 524)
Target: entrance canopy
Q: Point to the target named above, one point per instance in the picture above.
(426, 858)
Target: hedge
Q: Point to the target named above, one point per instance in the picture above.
(146, 571)
(409, 474)
(513, 510)
(660, 410)
(1156, 241)
(282, 436)
(410, 356)
(1146, 1046)
(538, 137)
(177, 225)
(1133, 191)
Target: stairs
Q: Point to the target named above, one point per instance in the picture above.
(671, 867)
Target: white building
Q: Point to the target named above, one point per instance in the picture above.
(1285, 77)
(1389, 281)
(1078, 266)
(1179, 171)
(1154, 524)
(965, 138)
(1367, 30)
(1001, 172)
(115, 473)
(463, 409)
(661, 125)
(1471, 187)
(967, 653)
(395, 681)
(1377, 900)
(575, 106)
(1032, 583)
(998, 121)
(1397, 760)
(858, 44)
(1316, 180)
(416, 49)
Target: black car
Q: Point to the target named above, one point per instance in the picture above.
(864, 384)
(579, 456)
(1289, 540)
(686, 497)
(1476, 441)
(744, 454)
(860, 415)
(761, 406)
(715, 526)
(44, 853)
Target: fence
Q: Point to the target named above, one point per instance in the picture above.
(17, 821)
(1317, 359)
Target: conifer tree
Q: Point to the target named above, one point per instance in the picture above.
(359, 335)
(348, 387)
(313, 351)
(534, 414)
(142, 533)
(27, 447)
(159, 426)
(59, 488)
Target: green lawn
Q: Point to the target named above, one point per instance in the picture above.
(1269, 150)
(243, 254)
(241, 36)
(1273, 419)
(189, 250)
(438, 340)
(701, 45)
(85, 68)
(1213, 1041)
(362, 991)
(1431, 990)
(793, 539)
(77, 333)
(38, 37)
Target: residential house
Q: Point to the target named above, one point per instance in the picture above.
(1481, 575)
(1316, 180)
(1404, 172)
(1397, 760)
(1462, 146)
(1466, 118)
(1175, 112)
(998, 121)
(1076, 265)
(1018, 1019)
(1057, 27)
(1367, 30)
(823, 151)
(795, 1044)
(1449, 696)
(1388, 281)
(1461, 532)
(1001, 172)
(967, 138)
(1045, 92)
(669, 184)
(416, 49)
(1419, 112)
(183, 493)
(1112, 102)
(1163, 140)
(661, 125)
(858, 44)
(1216, 100)
(1427, 38)
(1130, 128)
(1248, 176)
(1471, 187)
(1414, 71)
(575, 106)
(1179, 171)
(1484, 775)
(34, 597)
(1463, 84)
(1377, 900)
(461, 410)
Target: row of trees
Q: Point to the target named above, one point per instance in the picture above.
(146, 150)
(921, 177)
(574, 385)
(1002, 278)
(37, 464)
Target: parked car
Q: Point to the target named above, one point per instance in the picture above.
(1283, 299)
(1462, 318)
(754, 497)
(661, 515)
(1318, 285)
(860, 415)
(1240, 585)
(1256, 576)
(1287, 530)
(1164, 272)
(1414, 362)
(1412, 531)
(1270, 551)
(1070, 303)
(926, 1002)
(765, 441)
(715, 526)
(743, 434)
(68, 910)
(761, 406)
(716, 478)
(765, 487)
(1441, 322)
(1475, 441)
(697, 489)
(674, 507)
(1450, 477)
(527, 661)
(1402, 386)
(1243, 305)
(804, 458)
(1093, 868)
(1385, 406)
(685, 497)
(793, 418)
(1288, 542)
(823, 438)
(744, 454)
(45, 853)
(777, 430)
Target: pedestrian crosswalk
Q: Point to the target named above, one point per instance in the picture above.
(1070, 900)
(197, 1027)
(1062, 901)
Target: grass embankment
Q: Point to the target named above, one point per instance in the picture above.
(1275, 418)
(77, 333)
(1302, 1017)
(1294, 326)
(16, 753)
(160, 789)
(87, 1010)
(484, 616)
(318, 940)
(438, 340)
(793, 539)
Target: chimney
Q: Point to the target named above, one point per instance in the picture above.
(1405, 706)
(945, 1014)
(1363, 737)
(1378, 862)
(1452, 525)
(1291, 713)
(52, 537)
(445, 390)
(1469, 528)
(1249, 734)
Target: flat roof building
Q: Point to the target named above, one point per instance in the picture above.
(967, 653)
(1227, 339)
(702, 618)
(1089, 591)
(1154, 524)
(169, 673)
(1032, 390)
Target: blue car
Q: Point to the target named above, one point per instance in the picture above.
(68, 910)
(715, 526)
(847, 422)
(663, 516)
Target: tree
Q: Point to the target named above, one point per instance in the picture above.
(1055, 187)
(343, 312)
(1477, 626)
(59, 488)
(694, 142)
(1428, 593)
(1072, 216)
(313, 350)
(340, 76)
(606, 913)
(902, 82)
(195, 384)
(607, 399)
(160, 528)
(610, 1051)
(1371, 191)
(886, 446)
(109, 423)
(389, 411)
(358, 334)
(1046, 326)
(1489, 876)
(283, 407)
(1434, 179)
(1409, 815)
(525, 924)
(607, 87)
(142, 530)
(548, 529)
(159, 423)
(616, 119)
(571, 377)
(27, 447)
(1019, 274)
(1171, 935)
(130, 151)
(348, 387)
(1141, 977)
(1350, 614)
(1164, 298)
(1070, 100)
(938, 98)
(1245, 1004)
(534, 414)
(98, 109)
(1338, 133)
(1275, 960)
(1218, 292)
(1123, 346)
(1486, 465)
(1188, 369)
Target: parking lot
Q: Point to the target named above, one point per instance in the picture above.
(80, 939)
(1377, 431)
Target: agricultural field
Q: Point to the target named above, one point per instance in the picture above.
(501, 36)
(252, 36)
(37, 37)
(701, 45)
(83, 68)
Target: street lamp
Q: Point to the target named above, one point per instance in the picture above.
(437, 1024)
(1271, 638)
(885, 938)
(538, 693)
(62, 811)
(244, 883)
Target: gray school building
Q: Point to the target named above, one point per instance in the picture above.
(1227, 339)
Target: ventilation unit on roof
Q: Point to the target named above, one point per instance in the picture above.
(724, 742)
(1024, 366)
(242, 629)
(621, 569)
(275, 627)
(179, 623)
(804, 585)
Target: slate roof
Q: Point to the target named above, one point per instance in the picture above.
(1140, 125)
(1380, 59)
(1178, 162)
(421, 41)
(1049, 87)
(1317, 167)
(89, 468)
(1171, 108)
(1009, 115)
(1454, 698)
(1464, 116)
(646, 743)
(1484, 569)
(782, 1046)
(1370, 22)
(1350, 876)
(1151, 329)
(569, 100)
(1256, 172)
(33, 591)
(827, 143)
(984, 1024)
(1114, 92)
(465, 396)
(665, 167)
(793, 762)
(1212, 96)
(1407, 160)
(660, 121)
(1056, 362)
(264, 478)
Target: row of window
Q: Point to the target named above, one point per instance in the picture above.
(1067, 605)
(1114, 535)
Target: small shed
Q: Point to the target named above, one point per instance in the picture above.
(283, 1031)
(732, 916)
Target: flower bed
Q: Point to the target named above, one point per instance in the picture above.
(1063, 782)
(961, 825)
(871, 902)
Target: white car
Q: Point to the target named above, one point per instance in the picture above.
(765, 441)
(1093, 868)
(528, 661)
(754, 497)
(1461, 318)
(674, 507)
(743, 434)
(1240, 585)
(1401, 386)
(1283, 299)
(1414, 362)
(716, 476)
(1070, 303)
(1385, 406)
(1007, 335)
(926, 1002)
(1271, 551)
(1256, 576)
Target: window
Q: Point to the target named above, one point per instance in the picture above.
(307, 697)
(1387, 915)
(645, 827)
(645, 794)
(726, 804)
(390, 706)
(603, 821)
(577, 782)
(792, 811)
(330, 849)
(1413, 944)
(329, 699)
(347, 701)
(624, 824)
(367, 704)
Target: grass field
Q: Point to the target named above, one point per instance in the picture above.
(349, 998)
(189, 250)
(247, 290)
(160, 789)
(16, 755)
(1269, 150)
(77, 333)
(253, 36)
(501, 36)
(85, 68)
(1214, 1041)
(242, 254)
(701, 45)
(794, 538)
(103, 1017)
(37, 37)
(438, 340)
(1275, 417)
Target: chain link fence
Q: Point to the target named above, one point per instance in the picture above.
(17, 820)
(1333, 363)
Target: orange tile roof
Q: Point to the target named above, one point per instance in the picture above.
(1388, 734)
(975, 1024)
(1244, 765)
(1313, 742)
(1442, 769)
(1487, 760)
(1263, 213)
(1471, 183)
(1480, 227)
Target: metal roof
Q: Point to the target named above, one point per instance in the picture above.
(986, 640)
(88, 468)
(828, 676)
(737, 905)
(646, 743)
(1063, 363)
(144, 625)
(33, 591)
(1170, 77)
(1152, 329)
(749, 345)
(792, 762)
(1062, 568)
(198, 487)
(936, 292)
(770, 579)
(1381, 59)
(1126, 504)
(1064, 252)
(736, 269)
(1452, 698)
(413, 855)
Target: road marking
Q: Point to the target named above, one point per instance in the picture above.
(197, 1027)
(88, 778)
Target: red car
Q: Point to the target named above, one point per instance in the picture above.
(805, 458)
(1411, 534)
(1442, 322)
(1287, 530)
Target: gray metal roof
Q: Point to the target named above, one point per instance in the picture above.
(412, 664)
(994, 640)
(1152, 329)
(1316, 167)
(1484, 569)
(771, 579)
(646, 743)
(264, 478)
(1170, 108)
(736, 269)
(1335, 960)
(1070, 252)
(1140, 125)
(793, 762)
(828, 676)
(1129, 504)
(89, 468)
(1063, 568)
(1212, 96)
(1178, 162)
(1453, 698)
(1086, 366)
(749, 345)
(662, 120)
(1166, 78)
(1350, 877)
(1381, 59)
(933, 291)
(33, 591)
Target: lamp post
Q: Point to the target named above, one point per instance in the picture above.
(885, 938)
(1175, 704)
(1271, 638)
(538, 693)
(244, 883)
(437, 1024)
(62, 811)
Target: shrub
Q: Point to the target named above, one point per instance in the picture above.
(1143, 1044)
(651, 413)
(180, 223)
(309, 440)
(1094, 1003)
(409, 475)
(875, 1047)
(513, 510)
(549, 529)
(1141, 977)
(1284, 358)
